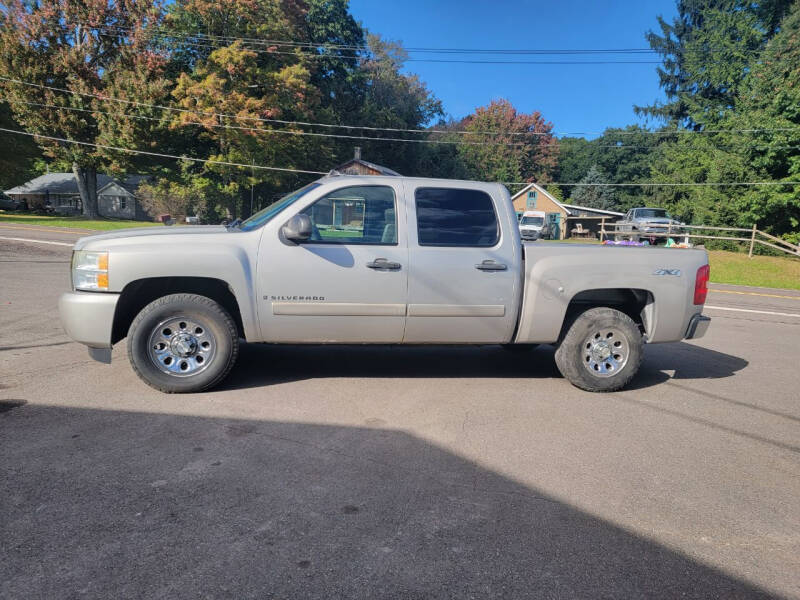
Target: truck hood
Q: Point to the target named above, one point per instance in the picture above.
(658, 221)
(149, 232)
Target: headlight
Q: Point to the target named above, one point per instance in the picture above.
(90, 270)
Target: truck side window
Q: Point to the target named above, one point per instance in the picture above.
(355, 215)
(454, 217)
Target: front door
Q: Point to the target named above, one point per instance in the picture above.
(463, 278)
(348, 283)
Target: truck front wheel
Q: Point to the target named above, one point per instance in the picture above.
(601, 351)
(183, 343)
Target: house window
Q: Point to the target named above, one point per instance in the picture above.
(122, 202)
(531, 201)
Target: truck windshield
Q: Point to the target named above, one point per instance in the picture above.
(265, 214)
(652, 213)
(538, 221)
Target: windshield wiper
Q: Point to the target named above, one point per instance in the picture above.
(234, 224)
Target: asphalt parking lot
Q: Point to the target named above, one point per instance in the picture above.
(360, 472)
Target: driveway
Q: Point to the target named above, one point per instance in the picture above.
(380, 472)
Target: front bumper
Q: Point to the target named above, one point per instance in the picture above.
(530, 235)
(88, 318)
(697, 327)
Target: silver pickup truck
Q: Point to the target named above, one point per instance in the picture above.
(376, 260)
(647, 223)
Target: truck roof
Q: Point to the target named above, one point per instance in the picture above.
(389, 178)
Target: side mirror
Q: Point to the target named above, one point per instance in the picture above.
(297, 229)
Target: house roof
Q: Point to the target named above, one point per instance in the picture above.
(541, 190)
(613, 213)
(381, 169)
(64, 183)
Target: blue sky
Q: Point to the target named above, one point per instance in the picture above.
(575, 98)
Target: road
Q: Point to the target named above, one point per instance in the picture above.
(352, 472)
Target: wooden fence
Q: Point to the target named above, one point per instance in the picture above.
(752, 236)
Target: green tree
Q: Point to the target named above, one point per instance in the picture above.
(592, 193)
(575, 157)
(624, 155)
(770, 102)
(20, 154)
(395, 100)
(99, 48)
(707, 51)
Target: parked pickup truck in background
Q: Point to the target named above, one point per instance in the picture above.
(531, 225)
(376, 260)
(642, 222)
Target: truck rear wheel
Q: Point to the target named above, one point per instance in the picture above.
(183, 343)
(601, 351)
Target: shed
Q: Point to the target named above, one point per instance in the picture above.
(359, 166)
(590, 220)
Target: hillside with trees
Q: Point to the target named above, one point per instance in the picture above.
(296, 84)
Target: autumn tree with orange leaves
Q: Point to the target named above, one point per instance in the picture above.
(523, 150)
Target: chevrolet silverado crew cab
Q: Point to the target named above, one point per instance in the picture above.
(376, 260)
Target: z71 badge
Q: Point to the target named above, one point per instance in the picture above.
(674, 272)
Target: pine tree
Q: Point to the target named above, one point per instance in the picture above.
(592, 194)
(707, 52)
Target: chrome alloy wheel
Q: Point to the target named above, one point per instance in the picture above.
(181, 346)
(605, 352)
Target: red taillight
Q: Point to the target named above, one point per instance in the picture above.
(701, 285)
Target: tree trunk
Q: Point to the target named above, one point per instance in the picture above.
(87, 186)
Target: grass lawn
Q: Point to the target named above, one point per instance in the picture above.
(763, 271)
(75, 222)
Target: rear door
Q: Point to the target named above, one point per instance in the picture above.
(464, 265)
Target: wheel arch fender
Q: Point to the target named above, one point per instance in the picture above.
(140, 292)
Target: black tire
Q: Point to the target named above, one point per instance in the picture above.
(519, 348)
(573, 355)
(214, 318)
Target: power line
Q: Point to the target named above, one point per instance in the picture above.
(289, 170)
(361, 138)
(160, 155)
(659, 184)
(365, 48)
(269, 131)
(394, 129)
(300, 53)
(278, 121)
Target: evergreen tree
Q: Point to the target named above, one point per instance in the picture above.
(707, 51)
(592, 194)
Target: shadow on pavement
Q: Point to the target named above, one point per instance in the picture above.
(264, 364)
(102, 504)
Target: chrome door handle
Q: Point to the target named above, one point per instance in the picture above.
(381, 264)
(490, 265)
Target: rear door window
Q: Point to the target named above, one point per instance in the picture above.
(455, 217)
